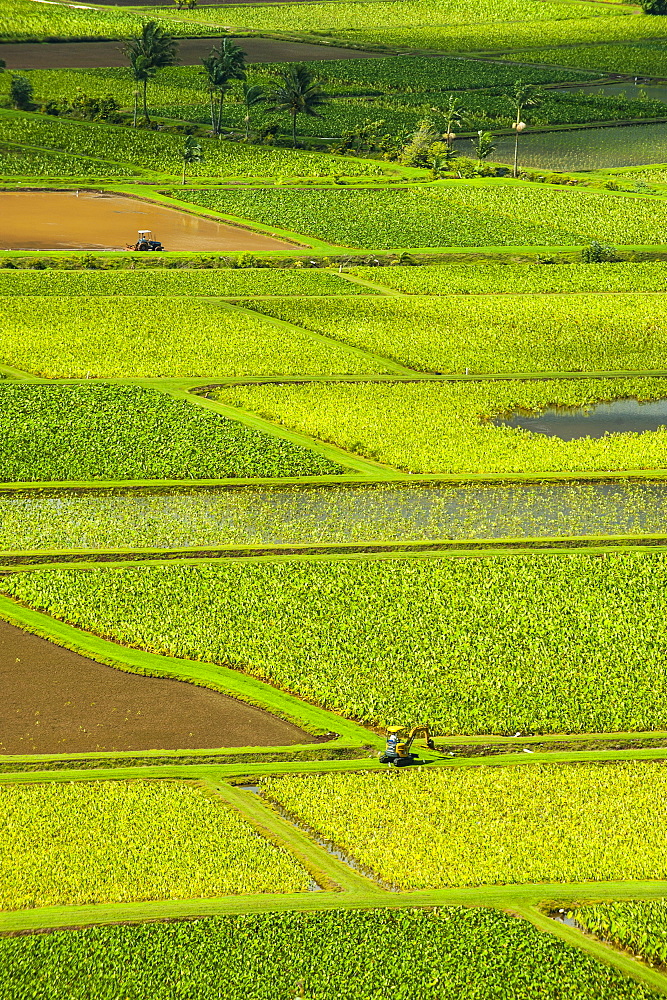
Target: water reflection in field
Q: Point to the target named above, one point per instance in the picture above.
(340, 513)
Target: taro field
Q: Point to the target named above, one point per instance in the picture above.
(333, 500)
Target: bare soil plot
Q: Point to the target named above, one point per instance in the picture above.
(55, 701)
(86, 55)
(85, 220)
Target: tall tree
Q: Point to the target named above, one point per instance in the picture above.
(221, 67)
(521, 96)
(153, 50)
(297, 93)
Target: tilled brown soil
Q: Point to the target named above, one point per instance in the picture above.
(84, 55)
(56, 701)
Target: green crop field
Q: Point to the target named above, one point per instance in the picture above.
(517, 279)
(521, 333)
(404, 639)
(130, 433)
(452, 951)
(131, 336)
(639, 927)
(449, 427)
(377, 439)
(475, 213)
(487, 825)
(129, 841)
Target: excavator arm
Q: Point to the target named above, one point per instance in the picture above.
(420, 731)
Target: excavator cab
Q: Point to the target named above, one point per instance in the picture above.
(399, 744)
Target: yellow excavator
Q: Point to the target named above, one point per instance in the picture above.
(399, 742)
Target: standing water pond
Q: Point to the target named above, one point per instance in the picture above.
(623, 416)
(86, 220)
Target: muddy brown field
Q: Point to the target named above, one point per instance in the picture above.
(56, 701)
(86, 55)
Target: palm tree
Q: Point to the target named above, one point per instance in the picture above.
(221, 67)
(153, 50)
(192, 153)
(252, 96)
(454, 114)
(297, 93)
(483, 145)
(521, 96)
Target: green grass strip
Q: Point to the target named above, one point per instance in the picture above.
(326, 868)
(250, 419)
(219, 678)
(596, 949)
(514, 898)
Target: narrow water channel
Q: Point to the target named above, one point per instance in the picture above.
(347, 513)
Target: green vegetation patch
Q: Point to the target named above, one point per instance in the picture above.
(120, 841)
(83, 432)
(646, 58)
(448, 427)
(188, 282)
(441, 954)
(492, 334)
(514, 279)
(22, 20)
(637, 927)
(449, 213)
(21, 161)
(533, 643)
(135, 336)
(490, 825)
(335, 513)
(162, 153)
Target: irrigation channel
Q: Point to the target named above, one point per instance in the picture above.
(89, 220)
(58, 520)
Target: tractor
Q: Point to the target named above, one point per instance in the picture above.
(400, 740)
(145, 242)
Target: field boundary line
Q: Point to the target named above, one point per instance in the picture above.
(597, 949)
(247, 772)
(381, 289)
(256, 422)
(518, 898)
(396, 479)
(219, 678)
(377, 359)
(258, 812)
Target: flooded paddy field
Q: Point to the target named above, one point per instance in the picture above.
(587, 148)
(86, 220)
(57, 701)
(191, 51)
(39, 520)
(623, 416)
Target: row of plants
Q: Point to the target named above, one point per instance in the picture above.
(151, 336)
(22, 161)
(223, 281)
(21, 20)
(439, 954)
(643, 59)
(639, 927)
(319, 18)
(121, 841)
(308, 514)
(449, 213)
(524, 279)
(162, 153)
(83, 432)
(489, 825)
(501, 644)
(450, 428)
(492, 333)
(503, 37)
